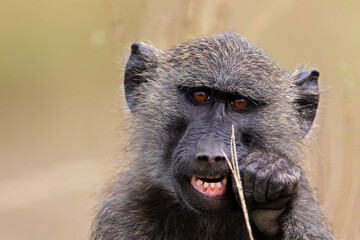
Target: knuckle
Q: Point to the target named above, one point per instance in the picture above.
(279, 178)
(251, 169)
(262, 174)
(288, 177)
(296, 172)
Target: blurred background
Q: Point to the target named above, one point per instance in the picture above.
(61, 66)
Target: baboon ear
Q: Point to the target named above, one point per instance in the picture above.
(136, 67)
(308, 98)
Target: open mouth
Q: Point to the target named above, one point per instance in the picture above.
(208, 194)
(213, 186)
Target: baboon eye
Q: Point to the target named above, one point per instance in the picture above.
(200, 96)
(239, 103)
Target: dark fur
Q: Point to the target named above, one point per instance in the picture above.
(146, 203)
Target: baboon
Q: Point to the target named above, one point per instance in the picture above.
(183, 103)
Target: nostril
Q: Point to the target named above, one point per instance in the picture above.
(202, 158)
(206, 158)
(219, 159)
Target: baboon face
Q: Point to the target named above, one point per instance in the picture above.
(186, 100)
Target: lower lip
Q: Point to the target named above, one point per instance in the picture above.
(211, 192)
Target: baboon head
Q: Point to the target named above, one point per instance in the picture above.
(184, 102)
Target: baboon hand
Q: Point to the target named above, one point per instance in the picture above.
(269, 181)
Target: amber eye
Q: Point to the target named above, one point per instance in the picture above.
(240, 103)
(200, 96)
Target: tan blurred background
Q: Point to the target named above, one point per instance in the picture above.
(59, 97)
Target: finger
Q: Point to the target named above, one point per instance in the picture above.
(260, 185)
(249, 199)
(252, 158)
(283, 183)
(249, 176)
(293, 182)
(289, 189)
(274, 188)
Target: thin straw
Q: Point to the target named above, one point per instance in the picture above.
(234, 166)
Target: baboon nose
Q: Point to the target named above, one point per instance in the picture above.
(209, 158)
(209, 150)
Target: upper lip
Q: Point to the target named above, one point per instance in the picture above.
(214, 178)
(210, 176)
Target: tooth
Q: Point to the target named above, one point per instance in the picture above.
(199, 182)
(219, 185)
(212, 186)
(206, 185)
(193, 178)
(224, 181)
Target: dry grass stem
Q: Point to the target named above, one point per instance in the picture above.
(234, 166)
